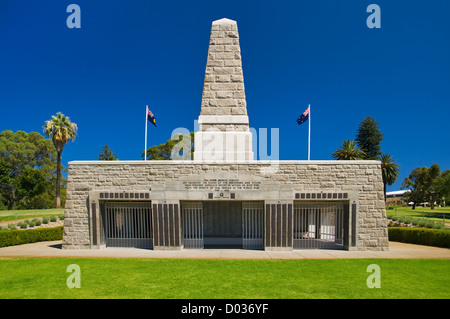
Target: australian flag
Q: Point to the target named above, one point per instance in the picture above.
(151, 117)
(304, 117)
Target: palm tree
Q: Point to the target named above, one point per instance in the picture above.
(61, 130)
(389, 171)
(348, 151)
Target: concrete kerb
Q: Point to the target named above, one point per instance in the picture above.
(53, 249)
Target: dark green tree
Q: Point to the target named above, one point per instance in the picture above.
(27, 163)
(107, 154)
(442, 185)
(175, 146)
(432, 193)
(422, 185)
(414, 184)
(31, 184)
(369, 138)
(8, 184)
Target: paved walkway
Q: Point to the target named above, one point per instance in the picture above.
(53, 249)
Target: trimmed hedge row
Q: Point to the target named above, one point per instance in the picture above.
(18, 237)
(420, 236)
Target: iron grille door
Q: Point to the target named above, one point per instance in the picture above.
(318, 225)
(192, 219)
(128, 224)
(252, 225)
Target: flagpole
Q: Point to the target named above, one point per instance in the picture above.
(146, 112)
(309, 133)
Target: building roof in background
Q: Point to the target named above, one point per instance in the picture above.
(397, 193)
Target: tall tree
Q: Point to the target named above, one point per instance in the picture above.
(369, 138)
(415, 186)
(442, 185)
(27, 161)
(348, 151)
(177, 144)
(107, 154)
(32, 183)
(61, 130)
(422, 184)
(8, 185)
(431, 175)
(389, 171)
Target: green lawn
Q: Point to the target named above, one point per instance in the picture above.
(45, 278)
(436, 214)
(11, 215)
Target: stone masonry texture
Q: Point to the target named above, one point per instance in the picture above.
(223, 89)
(223, 116)
(363, 177)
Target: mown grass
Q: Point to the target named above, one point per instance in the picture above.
(436, 214)
(106, 278)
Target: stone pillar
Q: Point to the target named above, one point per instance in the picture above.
(94, 221)
(223, 122)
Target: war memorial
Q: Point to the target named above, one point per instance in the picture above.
(223, 198)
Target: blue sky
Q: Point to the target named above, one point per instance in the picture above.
(128, 54)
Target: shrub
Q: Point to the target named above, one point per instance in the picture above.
(53, 218)
(405, 219)
(18, 237)
(440, 225)
(61, 216)
(12, 226)
(45, 220)
(430, 224)
(36, 222)
(22, 225)
(420, 236)
(421, 222)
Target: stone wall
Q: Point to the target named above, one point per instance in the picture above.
(360, 178)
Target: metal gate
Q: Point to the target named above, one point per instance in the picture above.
(252, 225)
(128, 224)
(192, 219)
(318, 225)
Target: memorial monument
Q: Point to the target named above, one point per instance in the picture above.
(223, 198)
(224, 133)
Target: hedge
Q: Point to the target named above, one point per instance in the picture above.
(18, 237)
(420, 236)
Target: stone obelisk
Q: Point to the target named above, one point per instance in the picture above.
(223, 133)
